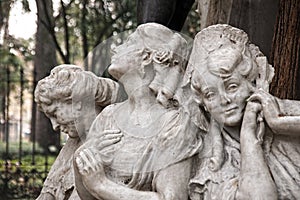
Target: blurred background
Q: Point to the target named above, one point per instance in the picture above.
(36, 35)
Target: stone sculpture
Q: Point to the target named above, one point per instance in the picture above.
(153, 145)
(251, 150)
(71, 98)
(215, 133)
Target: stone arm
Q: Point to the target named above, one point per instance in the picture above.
(255, 179)
(281, 119)
(107, 93)
(108, 138)
(80, 187)
(45, 196)
(171, 183)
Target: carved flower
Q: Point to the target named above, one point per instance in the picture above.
(162, 56)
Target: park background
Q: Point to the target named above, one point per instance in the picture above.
(37, 35)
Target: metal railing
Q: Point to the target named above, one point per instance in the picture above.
(24, 166)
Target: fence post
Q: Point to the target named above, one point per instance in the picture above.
(7, 112)
(21, 113)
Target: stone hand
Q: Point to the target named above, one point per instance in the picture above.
(88, 162)
(108, 138)
(253, 126)
(268, 102)
(105, 145)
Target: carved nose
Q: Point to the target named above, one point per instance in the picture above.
(162, 99)
(225, 99)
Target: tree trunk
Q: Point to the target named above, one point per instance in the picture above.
(257, 18)
(5, 7)
(214, 12)
(44, 61)
(285, 55)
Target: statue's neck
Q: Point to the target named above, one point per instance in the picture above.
(234, 132)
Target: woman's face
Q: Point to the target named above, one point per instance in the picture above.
(225, 98)
(126, 57)
(62, 117)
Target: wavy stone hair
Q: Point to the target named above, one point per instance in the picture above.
(70, 83)
(225, 40)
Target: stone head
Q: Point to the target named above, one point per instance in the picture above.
(66, 96)
(157, 48)
(224, 72)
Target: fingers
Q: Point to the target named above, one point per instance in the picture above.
(79, 163)
(260, 132)
(107, 132)
(87, 161)
(253, 107)
(261, 96)
(108, 140)
(93, 158)
(109, 137)
(255, 97)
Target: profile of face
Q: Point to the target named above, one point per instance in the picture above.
(62, 117)
(224, 93)
(156, 53)
(126, 56)
(165, 83)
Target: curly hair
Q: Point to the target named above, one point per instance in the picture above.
(227, 44)
(222, 50)
(72, 83)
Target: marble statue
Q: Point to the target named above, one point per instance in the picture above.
(70, 97)
(210, 131)
(143, 147)
(252, 147)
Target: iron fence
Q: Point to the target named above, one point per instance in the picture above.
(24, 166)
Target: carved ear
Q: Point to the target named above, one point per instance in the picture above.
(146, 57)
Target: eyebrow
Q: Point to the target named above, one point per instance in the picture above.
(229, 79)
(206, 89)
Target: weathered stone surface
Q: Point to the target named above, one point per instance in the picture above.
(211, 131)
(251, 150)
(70, 98)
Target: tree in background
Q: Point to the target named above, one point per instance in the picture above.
(78, 27)
(15, 53)
(44, 61)
(285, 55)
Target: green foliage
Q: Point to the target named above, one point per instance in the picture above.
(25, 180)
(91, 22)
(14, 149)
(14, 56)
(192, 23)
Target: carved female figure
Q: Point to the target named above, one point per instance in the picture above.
(249, 152)
(70, 97)
(151, 157)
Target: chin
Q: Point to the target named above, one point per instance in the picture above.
(233, 120)
(115, 71)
